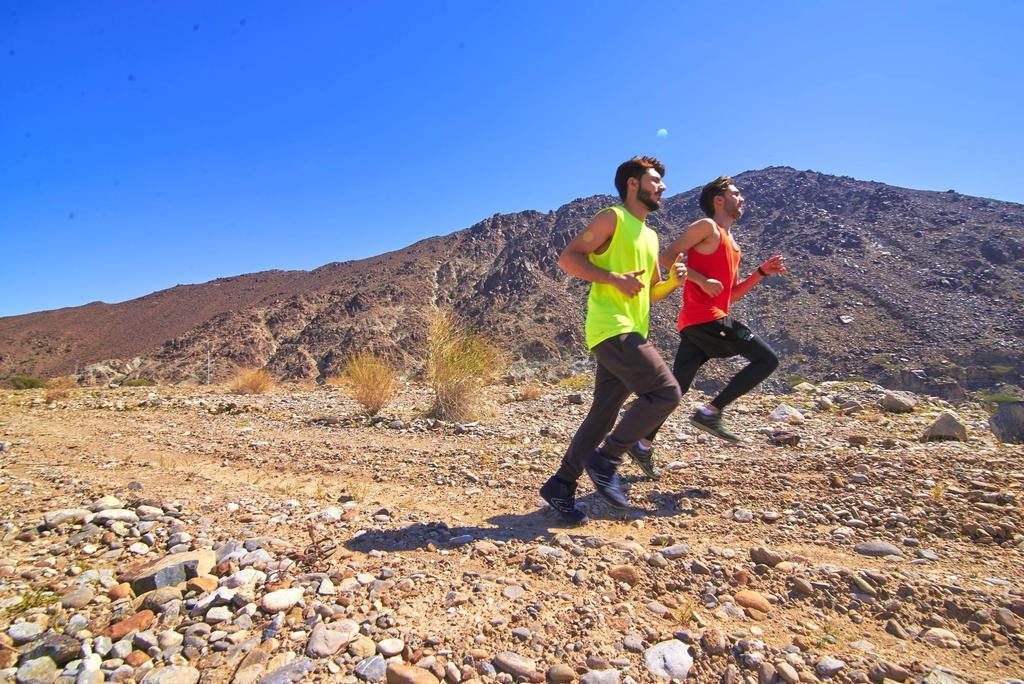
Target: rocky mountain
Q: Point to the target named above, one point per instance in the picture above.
(913, 289)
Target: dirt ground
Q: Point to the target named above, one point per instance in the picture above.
(237, 462)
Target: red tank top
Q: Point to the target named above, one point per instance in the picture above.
(723, 264)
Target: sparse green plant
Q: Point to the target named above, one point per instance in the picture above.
(1001, 398)
(794, 379)
(22, 382)
(577, 383)
(829, 634)
(884, 361)
(252, 381)
(684, 612)
(937, 492)
(34, 598)
(999, 369)
(460, 363)
(358, 491)
(138, 382)
(372, 381)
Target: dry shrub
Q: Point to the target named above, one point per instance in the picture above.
(60, 388)
(372, 381)
(252, 381)
(578, 382)
(460, 363)
(303, 385)
(530, 392)
(336, 381)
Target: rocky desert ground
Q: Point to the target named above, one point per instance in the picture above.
(183, 534)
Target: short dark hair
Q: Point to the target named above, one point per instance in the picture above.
(634, 168)
(711, 191)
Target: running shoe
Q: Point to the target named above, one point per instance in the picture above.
(606, 481)
(644, 460)
(712, 424)
(562, 498)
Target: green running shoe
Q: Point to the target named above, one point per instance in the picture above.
(644, 460)
(712, 424)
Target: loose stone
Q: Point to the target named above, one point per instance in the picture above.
(670, 659)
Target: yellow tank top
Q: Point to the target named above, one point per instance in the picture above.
(634, 247)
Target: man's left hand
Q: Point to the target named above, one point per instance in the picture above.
(774, 265)
(677, 272)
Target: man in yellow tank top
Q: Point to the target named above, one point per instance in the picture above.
(618, 254)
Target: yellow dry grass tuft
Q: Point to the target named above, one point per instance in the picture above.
(59, 388)
(578, 382)
(460, 363)
(252, 381)
(371, 379)
(529, 392)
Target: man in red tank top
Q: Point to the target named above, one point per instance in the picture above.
(706, 330)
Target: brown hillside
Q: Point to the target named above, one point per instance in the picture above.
(908, 288)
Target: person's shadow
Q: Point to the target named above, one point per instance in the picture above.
(538, 524)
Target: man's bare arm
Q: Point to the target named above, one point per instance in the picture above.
(598, 234)
(677, 273)
(771, 266)
(695, 233)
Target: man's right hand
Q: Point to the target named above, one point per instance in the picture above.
(628, 284)
(711, 286)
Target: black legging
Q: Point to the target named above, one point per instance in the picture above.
(722, 339)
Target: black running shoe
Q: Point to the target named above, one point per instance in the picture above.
(644, 460)
(606, 481)
(712, 424)
(562, 497)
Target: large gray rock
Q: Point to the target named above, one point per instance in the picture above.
(515, 664)
(24, 632)
(324, 642)
(877, 548)
(77, 598)
(37, 671)
(601, 677)
(938, 676)
(371, 669)
(940, 638)
(670, 659)
(784, 413)
(1007, 423)
(169, 570)
(174, 674)
(60, 648)
(766, 556)
(115, 514)
(292, 672)
(946, 427)
(675, 551)
(919, 382)
(281, 600)
(66, 515)
(898, 402)
(827, 666)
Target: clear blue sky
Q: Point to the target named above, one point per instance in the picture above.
(146, 144)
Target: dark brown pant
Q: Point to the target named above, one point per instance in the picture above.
(625, 364)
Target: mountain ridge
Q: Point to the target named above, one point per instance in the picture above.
(883, 282)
